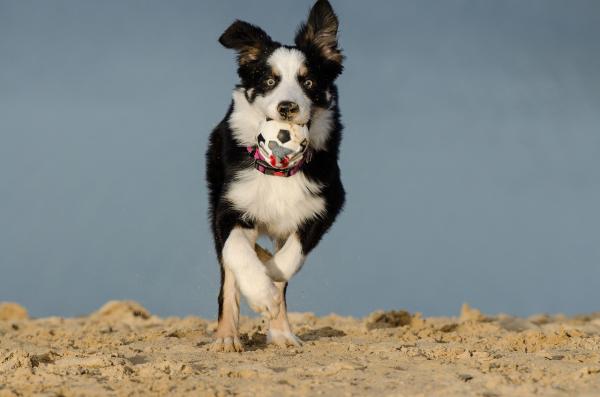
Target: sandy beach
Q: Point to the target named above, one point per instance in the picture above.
(123, 350)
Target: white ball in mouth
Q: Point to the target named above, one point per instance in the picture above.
(282, 144)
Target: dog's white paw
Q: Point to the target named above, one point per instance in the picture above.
(283, 339)
(262, 295)
(227, 344)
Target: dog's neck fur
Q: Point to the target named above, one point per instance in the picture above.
(245, 119)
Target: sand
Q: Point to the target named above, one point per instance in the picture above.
(123, 350)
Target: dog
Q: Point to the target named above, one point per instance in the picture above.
(295, 84)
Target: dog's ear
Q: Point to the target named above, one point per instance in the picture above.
(320, 31)
(248, 40)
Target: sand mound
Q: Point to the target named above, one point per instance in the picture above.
(122, 311)
(122, 349)
(467, 313)
(12, 311)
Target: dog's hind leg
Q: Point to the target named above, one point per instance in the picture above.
(280, 333)
(227, 337)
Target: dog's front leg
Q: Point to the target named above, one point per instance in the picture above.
(280, 332)
(258, 289)
(287, 261)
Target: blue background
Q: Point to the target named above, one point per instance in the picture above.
(471, 155)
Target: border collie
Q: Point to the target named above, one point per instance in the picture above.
(292, 84)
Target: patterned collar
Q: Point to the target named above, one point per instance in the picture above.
(262, 166)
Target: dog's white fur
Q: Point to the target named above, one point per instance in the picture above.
(287, 261)
(320, 127)
(279, 205)
(283, 338)
(245, 119)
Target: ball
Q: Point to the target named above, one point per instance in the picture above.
(282, 144)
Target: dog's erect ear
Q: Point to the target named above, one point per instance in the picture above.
(320, 31)
(248, 40)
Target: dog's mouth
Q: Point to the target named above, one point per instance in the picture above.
(307, 124)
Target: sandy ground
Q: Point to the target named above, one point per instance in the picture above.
(123, 350)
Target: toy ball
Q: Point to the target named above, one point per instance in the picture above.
(282, 144)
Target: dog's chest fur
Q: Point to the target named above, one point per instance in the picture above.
(278, 205)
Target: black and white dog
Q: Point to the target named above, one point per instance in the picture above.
(293, 84)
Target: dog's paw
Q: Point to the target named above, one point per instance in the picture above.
(266, 302)
(262, 295)
(283, 339)
(227, 344)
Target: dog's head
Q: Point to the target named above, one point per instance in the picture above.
(288, 83)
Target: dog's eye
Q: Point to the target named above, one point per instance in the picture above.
(308, 83)
(270, 82)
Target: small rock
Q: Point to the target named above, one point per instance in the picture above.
(46, 358)
(390, 319)
(177, 333)
(323, 332)
(465, 377)
(550, 356)
(448, 327)
(138, 360)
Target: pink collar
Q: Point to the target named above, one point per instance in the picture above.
(263, 166)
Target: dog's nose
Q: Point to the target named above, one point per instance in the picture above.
(287, 108)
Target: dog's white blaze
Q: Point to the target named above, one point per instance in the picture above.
(286, 62)
(278, 204)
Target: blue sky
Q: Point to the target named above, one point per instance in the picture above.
(470, 156)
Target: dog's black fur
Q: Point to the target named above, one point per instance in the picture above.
(225, 156)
